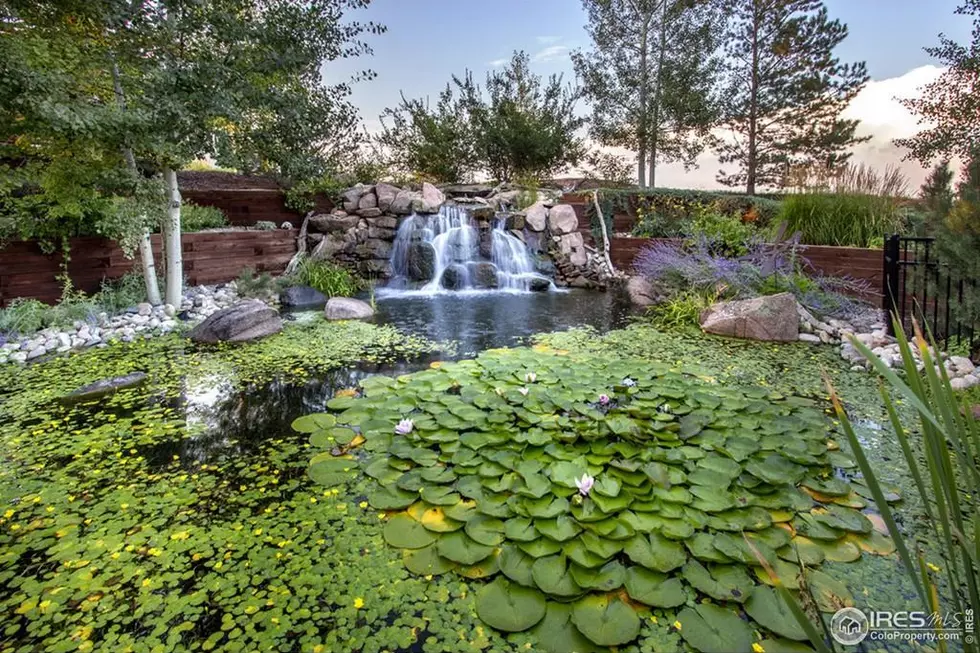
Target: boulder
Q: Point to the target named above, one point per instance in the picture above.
(453, 277)
(486, 243)
(468, 190)
(386, 194)
(770, 318)
(374, 268)
(247, 320)
(515, 221)
(369, 213)
(380, 232)
(431, 199)
(481, 212)
(331, 222)
(385, 222)
(302, 298)
(536, 217)
(562, 219)
(327, 247)
(641, 292)
(105, 387)
(404, 202)
(570, 242)
(538, 284)
(578, 258)
(368, 201)
(347, 308)
(374, 248)
(352, 197)
(421, 261)
(483, 274)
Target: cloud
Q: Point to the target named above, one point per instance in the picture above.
(497, 63)
(550, 53)
(547, 40)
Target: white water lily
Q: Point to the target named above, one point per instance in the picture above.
(628, 382)
(584, 484)
(523, 391)
(530, 377)
(404, 427)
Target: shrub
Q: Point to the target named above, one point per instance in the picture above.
(117, 295)
(198, 218)
(265, 225)
(23, 317)
(329, 278)
(846, 220)
(726, 234)
(252, 285)
(683, 310)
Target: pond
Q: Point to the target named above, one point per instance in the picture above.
(179, 515)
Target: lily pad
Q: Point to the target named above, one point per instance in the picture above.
(426, 561)
(713, 629)
(557, 634)
(654, 588)
(769, 608)
(459, 547)
(606, 620)
(403, 532)
(510, 607)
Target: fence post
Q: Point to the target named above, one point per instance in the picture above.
(890, 280)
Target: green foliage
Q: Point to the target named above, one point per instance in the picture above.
(528, 193)
(117, 295)
(481, 466)
(23, 316)
(301, 196)
(198, 218)
(329, 278)
(728, 235)
(260, 286)
(846, 220)
(265, 225)
(683, 310)
(785, 91)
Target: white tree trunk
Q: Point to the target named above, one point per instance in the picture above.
(171, 237)
(149, 269)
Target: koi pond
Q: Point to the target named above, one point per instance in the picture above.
(471, 473)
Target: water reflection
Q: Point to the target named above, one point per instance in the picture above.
(489, 320)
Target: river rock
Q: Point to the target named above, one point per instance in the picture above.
(484, 274)
(486, 243)
(386, 194)
(347, 308)
(769, 318)
(421, 261)
(562, 219)
(105, 387)
(247, 320)
(301, 298)
(514, 221)
(641, 292)
(453, 277)
(538, 284)
(536, 216)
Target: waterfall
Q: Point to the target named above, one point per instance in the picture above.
(448, 251)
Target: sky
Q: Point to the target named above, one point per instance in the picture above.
(428, 41)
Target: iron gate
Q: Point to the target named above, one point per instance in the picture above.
(916, 284)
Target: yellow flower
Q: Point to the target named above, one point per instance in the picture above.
(757, 647)
(358, 603)
(677, 625)
(932, 567)
(363, 504)
(653, 619)
(257, 531)
(8, 514)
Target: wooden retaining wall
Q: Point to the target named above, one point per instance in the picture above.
(209, 257)
(245, 207)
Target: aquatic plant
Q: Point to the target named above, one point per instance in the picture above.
(584, 512)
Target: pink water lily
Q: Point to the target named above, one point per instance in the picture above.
(604, 399)
(584, 484)
(404, 427)
(530, 377)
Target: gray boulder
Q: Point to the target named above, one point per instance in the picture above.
(105, 387)
(327, 247)
(331, 222)
(641, 292)
(421, 261)
(386, 195)
(536, 216)
(368, 201)
(769, 318)
(347, 308)
(538, 284)
(430, 200)
(562, 219)
(404, 202)
(302, 298)
(246, 320)
(352, 197)
(483, 274)
(454, 277)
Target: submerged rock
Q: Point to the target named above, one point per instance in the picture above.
(347, 308)
(421, 261)
(770, 318)
(105, 387)
(484, 274)
(302, 298)
(247, 320)
(453, 277)
(539, 284)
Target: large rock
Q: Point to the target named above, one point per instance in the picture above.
(386, 194)
(453, 277)
(328, 246)
(468, 190)
(302, 298)
(421, 261)
(486, 243)
(570, 242)
(404, 202)
(367, 201)
(430, 200)
(247, 320)
(331, 222)
(536, 216)
(352, 197)
(562, 219)
(374, 248)
(105, 387)
(385, 222)
(347, 308)
(483, 274)
(538, 284)
(772, 317)
(515, 221)
(641, 292)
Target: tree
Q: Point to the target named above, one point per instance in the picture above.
(937, 191)
(650, 77)
(950, 105)
(785, 91)
(435, 143)
(522, 126)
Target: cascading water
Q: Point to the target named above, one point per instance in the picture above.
(449, 251)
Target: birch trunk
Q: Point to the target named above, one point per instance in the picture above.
(171, 237)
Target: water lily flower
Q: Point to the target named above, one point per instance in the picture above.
(584, 484)
(404, 427)
(628, 382)
(523, 391)
(603, 399)
(530, 377)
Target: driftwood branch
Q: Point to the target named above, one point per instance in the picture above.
(300, 246)
(605, 235)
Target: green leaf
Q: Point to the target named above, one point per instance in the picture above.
(485, 530)
(552, 576)
(713, 629)
(606, 620)
(426, 561)
(557, 634)
(313, 423)
(654, 588)
(459, 547)
(403, 532)
(770, 610)
(656, 552)
(509, 607)
(329, 471)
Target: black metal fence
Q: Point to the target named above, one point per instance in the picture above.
(918, 285)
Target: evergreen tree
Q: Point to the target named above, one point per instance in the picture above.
(650, 77)
(937, 192)
(785, 91)
(951, 104)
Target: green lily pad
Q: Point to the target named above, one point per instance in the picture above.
(459, 547)
(606, 620)
(654, 588)
(426, 561)
(607, 578)
(516, 565)
(713, 629)
(485, 530)
(391, 498)
(510, 607)
(557, 634)
(328, 471)
(313, 423)
(403, 532)
(656, 552)
(559, 529)
(768, 608)
(720, 582)
(551, 574)
(830, 594)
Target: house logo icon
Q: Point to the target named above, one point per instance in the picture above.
(849, 626)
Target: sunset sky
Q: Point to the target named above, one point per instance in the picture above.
(430, 40)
